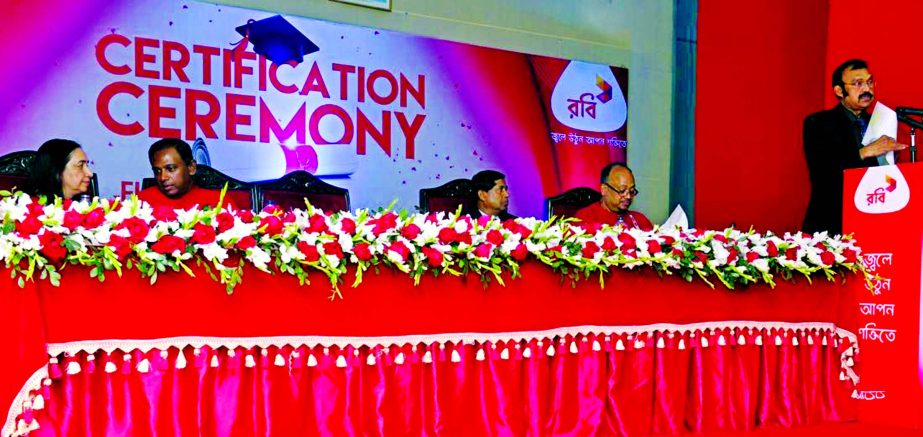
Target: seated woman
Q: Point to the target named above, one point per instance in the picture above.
(60, 169)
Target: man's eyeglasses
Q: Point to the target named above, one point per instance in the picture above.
(858, 83)
(633, 191)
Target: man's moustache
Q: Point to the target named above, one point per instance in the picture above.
(867, 94)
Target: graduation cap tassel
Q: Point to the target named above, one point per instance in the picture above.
(241, 46)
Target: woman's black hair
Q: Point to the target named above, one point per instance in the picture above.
(47, 167)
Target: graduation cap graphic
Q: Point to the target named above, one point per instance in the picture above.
(276, 39)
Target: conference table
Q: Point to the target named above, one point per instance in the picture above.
(538, 355)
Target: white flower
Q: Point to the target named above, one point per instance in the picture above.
(258, 257)
(213, 251)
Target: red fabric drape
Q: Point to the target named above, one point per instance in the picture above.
(670, 389)
(630, 386)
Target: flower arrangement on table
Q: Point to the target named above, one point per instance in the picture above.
(40, 237)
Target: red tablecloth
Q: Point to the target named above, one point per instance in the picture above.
(386, 304)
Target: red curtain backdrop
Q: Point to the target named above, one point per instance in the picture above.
(649, 384)
(760, 71)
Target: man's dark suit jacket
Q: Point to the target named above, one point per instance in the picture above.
(503, 215)
(830, 146)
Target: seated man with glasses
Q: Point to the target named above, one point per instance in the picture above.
(833, 143)
(618, 191)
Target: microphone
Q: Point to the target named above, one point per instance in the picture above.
(909, 111)
(909, 121)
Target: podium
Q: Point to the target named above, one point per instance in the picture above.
(883, 208)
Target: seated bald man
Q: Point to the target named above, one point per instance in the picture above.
(618, 192)
(173, 166)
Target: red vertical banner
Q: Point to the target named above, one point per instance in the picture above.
(880, 211)
(586, 106)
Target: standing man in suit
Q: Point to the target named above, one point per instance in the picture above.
(493, 195)
(833, 143)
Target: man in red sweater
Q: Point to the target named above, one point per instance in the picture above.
(173, 166)
(618, 191)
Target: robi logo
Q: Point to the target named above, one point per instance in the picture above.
(587, 97)
(882, 190)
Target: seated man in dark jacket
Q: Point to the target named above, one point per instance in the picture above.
(493, 195)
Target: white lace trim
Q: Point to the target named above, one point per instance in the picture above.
(16, 408)
(91, 346)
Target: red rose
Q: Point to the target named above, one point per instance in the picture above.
(348, 225)
(271, 209)
(483, 250)
(410, 231)
(52, 246)
(72, 219)
(556, 249)
(752, 256)
(94, 218)
(628, 242)
(245, 215)
(169, 244)
(400, 248)
(164, 214)
(137, 229)
(311, 254)
(483, 220)
(433, 256)
(38, 209)
(653, 246)
(447, 236)
(520, 252)
(362, 251)
(732, 255)
(29, 226)
(203, 234)
(431, 218)
(524, 232)
(225, 221)
(850, 255)
(608, 244)
(384, 223)
(820, 245)
(246, 243)
(317, 223)
(333, 248)
(590, 249)
(827, 258)
(701, 257)
(791, 254)
(120, 246)
(667, 240)
(721, 238)
(510, 225)
(271, 225)
(463, 237)
(289, 217)
(677, 253)
(771, 249)
(495, 237)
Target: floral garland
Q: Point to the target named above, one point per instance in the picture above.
(39, 237)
